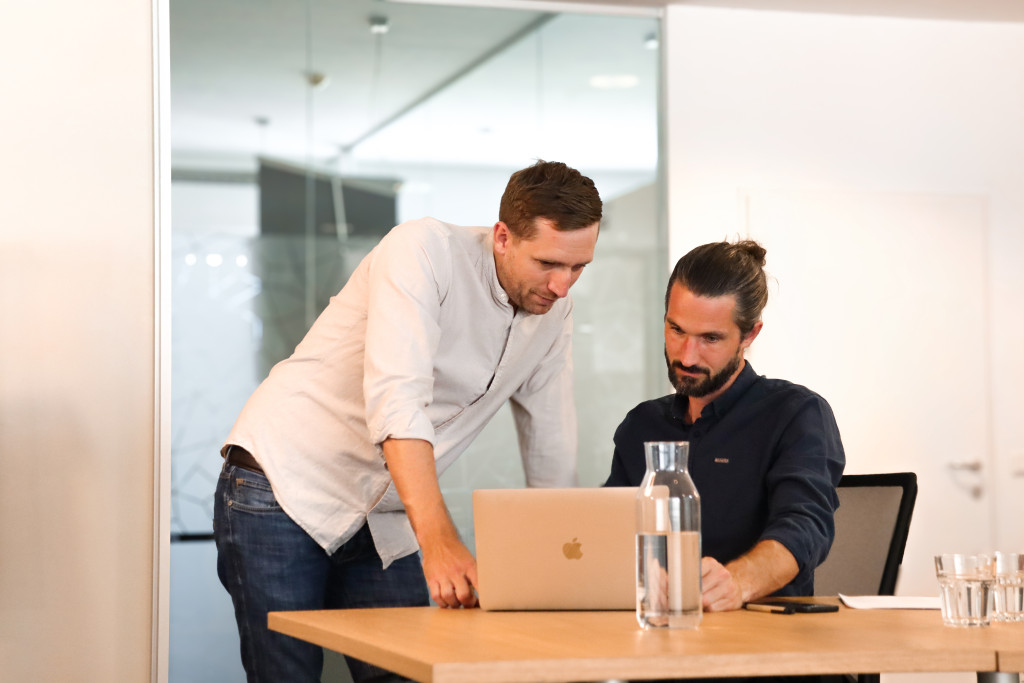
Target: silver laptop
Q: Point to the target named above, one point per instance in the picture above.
(556, 549)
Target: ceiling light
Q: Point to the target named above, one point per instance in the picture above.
(614, 81)
(379, 25)
(317, 80)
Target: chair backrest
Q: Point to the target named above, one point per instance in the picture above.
(872, 524)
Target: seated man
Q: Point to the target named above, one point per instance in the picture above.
(765, 454)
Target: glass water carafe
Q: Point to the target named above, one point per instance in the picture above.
(668, 540)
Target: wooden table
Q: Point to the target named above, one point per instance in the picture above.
(432, 645)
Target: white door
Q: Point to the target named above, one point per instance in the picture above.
(880, 305)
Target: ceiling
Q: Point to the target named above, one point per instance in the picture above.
(443, 84)
(954, 10)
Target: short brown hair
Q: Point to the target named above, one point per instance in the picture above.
(722, 268)
(552, 190)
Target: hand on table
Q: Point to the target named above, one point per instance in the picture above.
(450, 570)
(720, 590)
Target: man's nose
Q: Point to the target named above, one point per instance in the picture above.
(559, 282)
(688, 352)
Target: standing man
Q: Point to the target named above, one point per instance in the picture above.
(330, 481)
(765, 454)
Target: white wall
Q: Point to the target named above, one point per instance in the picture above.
(782, 101)
(900, 112)
(76, 340)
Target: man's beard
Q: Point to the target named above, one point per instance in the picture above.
(699, 387)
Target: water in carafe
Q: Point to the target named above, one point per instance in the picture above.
(668, 540)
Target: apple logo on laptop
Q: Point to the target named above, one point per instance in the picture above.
(571, 550)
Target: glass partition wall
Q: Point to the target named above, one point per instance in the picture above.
(302, 132)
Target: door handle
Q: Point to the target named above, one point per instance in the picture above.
(976, 490)
(966, 466)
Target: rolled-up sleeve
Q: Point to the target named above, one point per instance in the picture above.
(407, 281)
(801, 485)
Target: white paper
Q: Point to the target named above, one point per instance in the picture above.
(890, 602)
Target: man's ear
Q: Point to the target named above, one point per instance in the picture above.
(502, 237)
(752, 335)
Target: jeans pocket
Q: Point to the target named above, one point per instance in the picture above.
(250, 492)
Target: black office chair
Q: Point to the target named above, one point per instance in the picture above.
(872, 524)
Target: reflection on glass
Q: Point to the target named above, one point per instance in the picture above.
(300, 136)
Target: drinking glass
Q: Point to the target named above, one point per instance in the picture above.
(1008, 592)
(965, 583)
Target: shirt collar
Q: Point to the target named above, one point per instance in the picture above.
(490, 272)
(721, 405)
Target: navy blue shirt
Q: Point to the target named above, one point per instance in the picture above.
(765, 457)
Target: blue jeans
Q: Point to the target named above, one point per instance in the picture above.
(268, 563)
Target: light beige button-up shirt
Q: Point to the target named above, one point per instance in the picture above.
(422, 343)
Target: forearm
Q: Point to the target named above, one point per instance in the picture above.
(448, 566)
(766, 568)
(411, 465)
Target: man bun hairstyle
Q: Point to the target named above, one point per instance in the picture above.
(722, 268)
(552, 190)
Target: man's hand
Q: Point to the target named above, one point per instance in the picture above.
(451, 572)
(719, 589)
(766, 568)
(449, 567)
